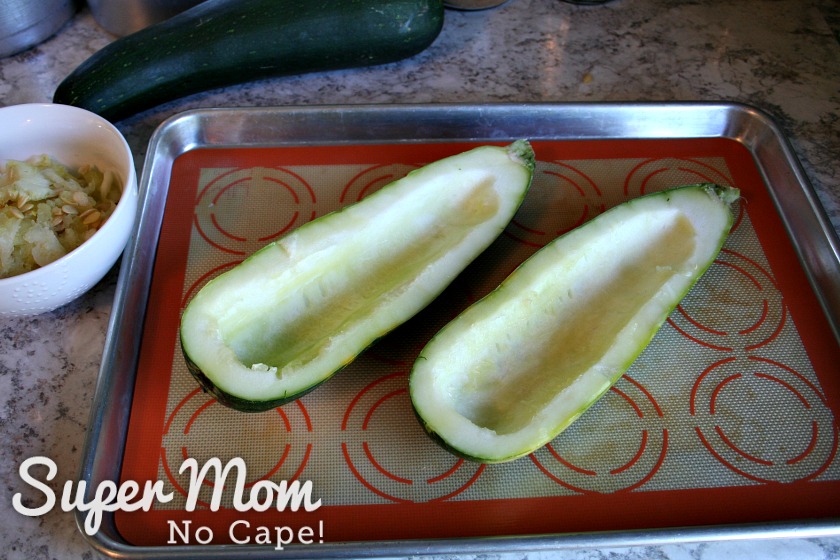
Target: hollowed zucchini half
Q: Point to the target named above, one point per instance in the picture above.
(298, 310)
(517, 367)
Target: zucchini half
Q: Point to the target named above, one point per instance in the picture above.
(517, 367)
(298, 310)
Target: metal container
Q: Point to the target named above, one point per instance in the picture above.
(122, 17)
(24, 23)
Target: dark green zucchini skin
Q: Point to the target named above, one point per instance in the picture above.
(225, 42)
(238, 403)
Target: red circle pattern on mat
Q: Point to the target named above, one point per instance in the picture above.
(561, 198)
(763, 420)
(371, 440)
(593, 460)
(198, 417)
(371, 180)
(753, 314)
(739, 392)
(653, 175)
(233, 215)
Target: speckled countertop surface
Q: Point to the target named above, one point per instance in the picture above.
(782, 56)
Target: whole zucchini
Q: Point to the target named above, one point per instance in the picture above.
(224, 42)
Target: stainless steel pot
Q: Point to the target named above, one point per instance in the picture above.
(25, 23)
(122, 17)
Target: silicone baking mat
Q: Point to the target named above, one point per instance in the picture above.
(729, 416)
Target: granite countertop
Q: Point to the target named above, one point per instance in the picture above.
(782, 56)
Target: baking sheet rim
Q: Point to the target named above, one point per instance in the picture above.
(112, 398)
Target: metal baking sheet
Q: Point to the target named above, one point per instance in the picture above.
(784, 248)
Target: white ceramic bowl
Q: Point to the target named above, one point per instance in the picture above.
(73, 137)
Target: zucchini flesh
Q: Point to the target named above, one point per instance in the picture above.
(298, 310)
(224, 42)
(519, 366)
